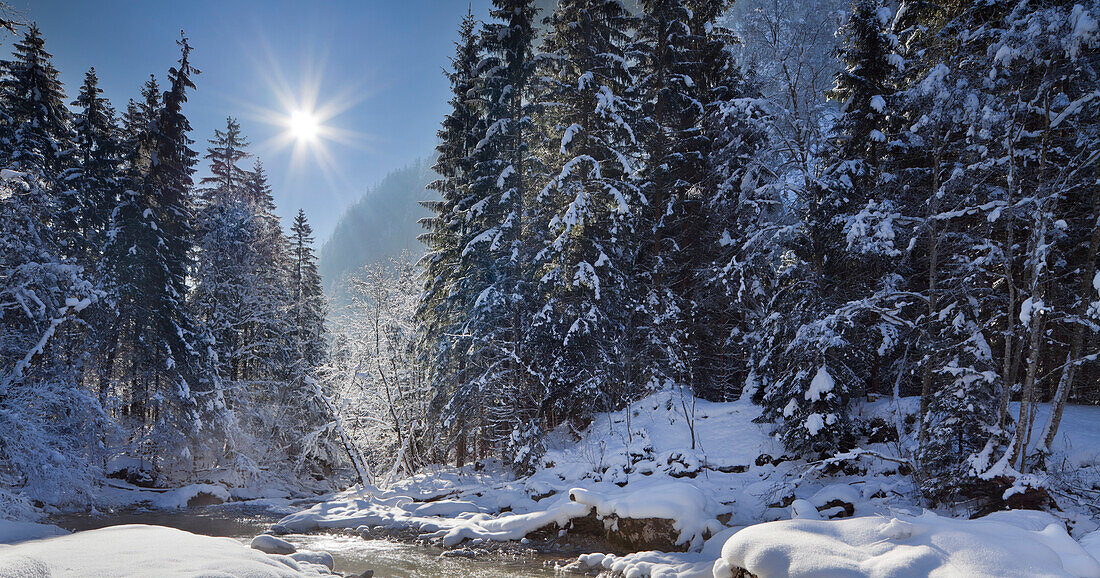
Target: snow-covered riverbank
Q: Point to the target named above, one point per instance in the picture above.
(631, 496)
(660, 507)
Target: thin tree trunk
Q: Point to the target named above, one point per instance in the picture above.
(1008, 367)
(1027, 391)
(1069, 370)
(933, 280)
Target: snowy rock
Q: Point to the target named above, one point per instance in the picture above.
(271, 545)
(681, 507)
(804, 510)
(192, 496)
(312, 557)
(636, 534)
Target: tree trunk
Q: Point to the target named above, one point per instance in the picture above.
(933, 279)
(1077, 340)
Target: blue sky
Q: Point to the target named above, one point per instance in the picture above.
(377, 63)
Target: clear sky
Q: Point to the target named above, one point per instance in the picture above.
(373, 67)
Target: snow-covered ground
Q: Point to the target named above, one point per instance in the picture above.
(15, 531)
(642, 464)
(1005, 544)
(139, 550)
(713, 485)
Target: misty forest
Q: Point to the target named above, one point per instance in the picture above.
(686, 288)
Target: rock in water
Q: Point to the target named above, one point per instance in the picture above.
(320, 558)
(269, 544)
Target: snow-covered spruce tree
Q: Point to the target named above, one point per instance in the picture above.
(315, 452)
(50, 448)
(97, 182)
(240, 296)
(271, 257)
(443, 302)
(590, 207)
(38, 124)
(729, 263)
(499, 252)
(98, 150)
(174, 399)
(822, 348)
(226, 238)
(670, 133)
(307, 299)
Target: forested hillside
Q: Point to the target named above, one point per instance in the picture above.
(382, 225)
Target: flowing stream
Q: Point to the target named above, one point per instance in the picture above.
(352, 554)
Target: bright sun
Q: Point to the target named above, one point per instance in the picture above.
(304, 126)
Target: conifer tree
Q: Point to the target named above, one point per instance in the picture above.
(176, 403)
(307, 401)
(671, 135)
(498, 254)
(49, 450)
(307, 298)
(445, 301)
(730, 274)
(590, 208)
(228, 237)
(99, 155)
(39, 132)
(39, 121)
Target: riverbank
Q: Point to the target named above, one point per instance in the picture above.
(659, 489)
(655, 490)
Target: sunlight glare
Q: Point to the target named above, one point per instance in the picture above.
(304, 125)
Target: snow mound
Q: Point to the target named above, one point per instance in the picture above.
(928, 545)
(12, 531)
(651, 563)
(139, 550)
(179, 498)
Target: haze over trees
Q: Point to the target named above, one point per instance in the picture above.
(382, 225)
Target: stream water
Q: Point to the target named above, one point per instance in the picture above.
(351, 553)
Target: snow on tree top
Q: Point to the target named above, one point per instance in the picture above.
(821, 385)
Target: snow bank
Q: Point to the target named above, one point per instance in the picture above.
(1091, 544)
(178, 498)
(664, 564)
(682, 502)
(510, 526)
(696, 464)
(138, 550)
(454, 521)
(12, 531)
(927, 545)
